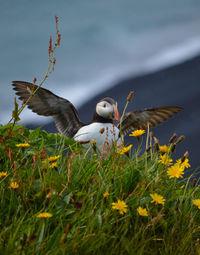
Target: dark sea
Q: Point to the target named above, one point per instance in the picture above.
(102, 42)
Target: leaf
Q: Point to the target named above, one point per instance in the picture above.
(40, 237)
(67, 198)
(99, 220)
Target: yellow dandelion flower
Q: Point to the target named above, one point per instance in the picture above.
(121, 206)
(106, 194)
(23, 145)
(138, 132)
(165, 160)
(164, 148)
(3, 174)
(175, 171)
(157, 199)
(93, 141)
(44, 215)
(124, 150)
(142, 211)
(14, 185)
(51, 159)
(196, 202)
(184, 164)
(53, 165)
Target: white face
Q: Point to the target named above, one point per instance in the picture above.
(105, 110)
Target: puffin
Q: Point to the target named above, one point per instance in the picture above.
(104, 129)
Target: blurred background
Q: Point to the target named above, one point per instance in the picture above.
(107, 48)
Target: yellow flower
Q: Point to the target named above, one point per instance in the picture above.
(121, 206)
(14, 185)
(138, 132)
(93, 141)
(165, 160)
(142, 211)
(51, 159)
(164, 148)
(184, 164)
(106, 194)
(196, 202)
(175, 171)
(44, 215)
(124, 150)
(23, 145)
(157, 199)
(53, 165)
(3, 174)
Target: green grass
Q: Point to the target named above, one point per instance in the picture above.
(83, 220)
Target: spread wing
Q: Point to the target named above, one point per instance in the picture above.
(150, 116)
(45, 103)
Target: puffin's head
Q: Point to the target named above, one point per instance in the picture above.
(107, 109)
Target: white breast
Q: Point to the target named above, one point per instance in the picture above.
(102, 139)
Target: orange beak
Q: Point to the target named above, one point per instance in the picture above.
(116, 113)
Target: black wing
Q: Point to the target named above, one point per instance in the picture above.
(45, 103)
(150, 116)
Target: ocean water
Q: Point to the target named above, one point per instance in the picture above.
(101, 43)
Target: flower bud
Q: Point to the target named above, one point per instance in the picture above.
(151, 134)
(156, 143)
(148, 148)
(173, 147)
(130, 96)
(180, 139)
(155, 140)
(172, 138)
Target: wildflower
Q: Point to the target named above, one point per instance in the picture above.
(165, 160)
(14, 185)
(23, 145)
(175, 171)
(121, 206)
(93, 141)
(142, 211)
(53, 165)
(3, 174)
(196, 202)
(106, 194)
(157, 199)
(164, 148)
(184, 164)
(124, 150)
(44, 215)
(51, 159)
(137, 133)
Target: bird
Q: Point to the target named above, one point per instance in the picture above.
(104, 128)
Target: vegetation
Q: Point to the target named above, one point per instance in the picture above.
(56, 198)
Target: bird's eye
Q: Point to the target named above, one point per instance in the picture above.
(104, 105)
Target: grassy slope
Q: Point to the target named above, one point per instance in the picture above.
(83, 220)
